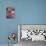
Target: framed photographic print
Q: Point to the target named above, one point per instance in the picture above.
(10, 12)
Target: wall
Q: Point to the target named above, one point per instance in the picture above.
(6, 25)
(31, 11)
(27, 12)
